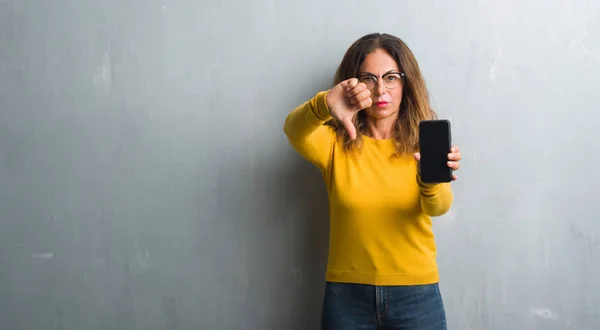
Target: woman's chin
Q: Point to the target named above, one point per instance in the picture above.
(380, 113)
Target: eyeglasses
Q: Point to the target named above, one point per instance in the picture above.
(390, 80)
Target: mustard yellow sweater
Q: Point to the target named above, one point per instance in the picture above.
(380, 212)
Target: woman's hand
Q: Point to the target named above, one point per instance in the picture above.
(345, 99)
(454, 158)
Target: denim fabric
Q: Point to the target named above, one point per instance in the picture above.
(349, 306)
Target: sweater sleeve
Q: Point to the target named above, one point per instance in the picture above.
(436, 199)
(306, 132)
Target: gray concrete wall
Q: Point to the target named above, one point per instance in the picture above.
(145, 181)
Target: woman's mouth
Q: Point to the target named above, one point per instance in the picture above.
(382, 104)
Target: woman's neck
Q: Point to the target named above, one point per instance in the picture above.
(380, 129)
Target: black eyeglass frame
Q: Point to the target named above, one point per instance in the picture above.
(365, 75)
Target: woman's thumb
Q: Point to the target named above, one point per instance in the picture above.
(349, 125)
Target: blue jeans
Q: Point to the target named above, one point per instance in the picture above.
(349, 306)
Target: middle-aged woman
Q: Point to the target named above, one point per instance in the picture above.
(363, 136)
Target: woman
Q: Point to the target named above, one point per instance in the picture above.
(363, 136)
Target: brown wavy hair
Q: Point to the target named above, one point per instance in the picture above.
(415, 104)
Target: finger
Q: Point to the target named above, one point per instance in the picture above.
(349, 84)
(357, 89)
(349, 125)
(361, 96)
(454, 177)
(364, 104)
(455, 156)
(455, 149)
(417, 156)
(454, 165)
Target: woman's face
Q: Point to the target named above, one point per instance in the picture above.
(382, 75)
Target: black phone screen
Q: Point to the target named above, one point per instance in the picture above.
(434, 143)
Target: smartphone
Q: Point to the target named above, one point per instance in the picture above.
(435, 141)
